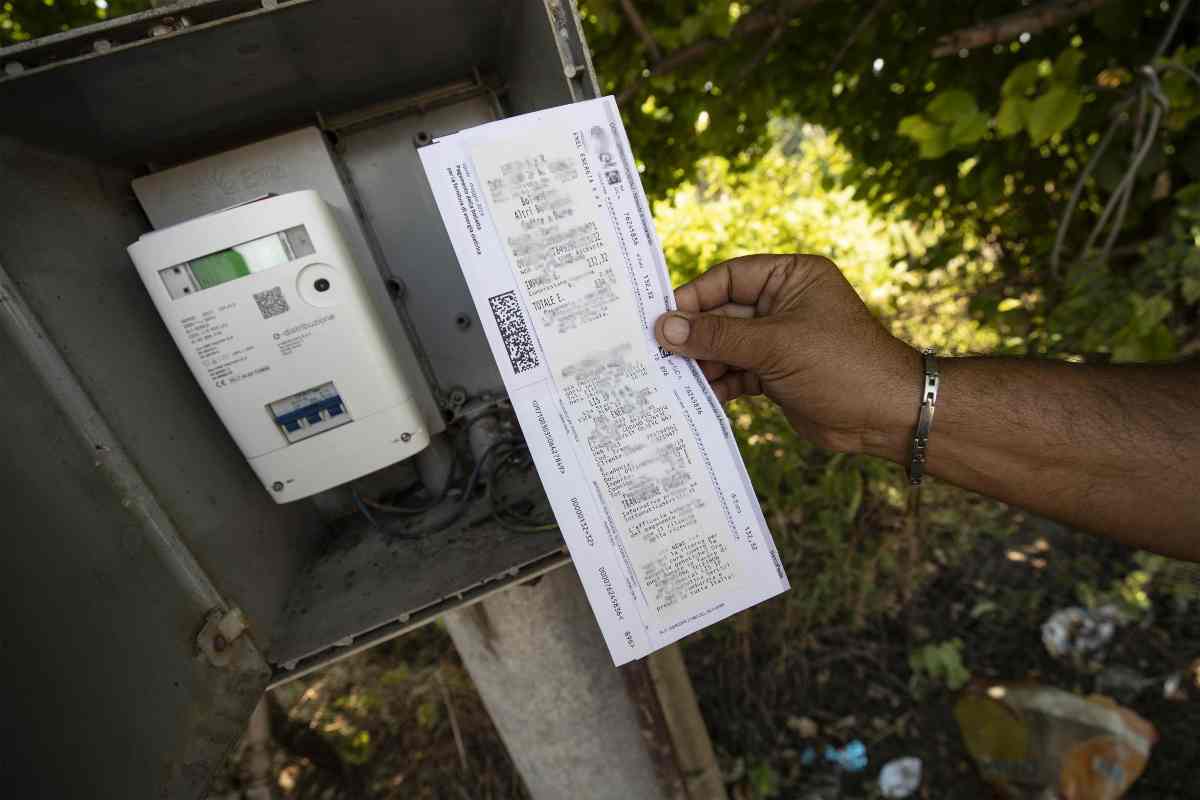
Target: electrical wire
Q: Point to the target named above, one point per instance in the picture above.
(499, 454)
(1118, 204)
(1147, 141)
(511, 521)
(1138, 132)
(391, 508)
(1069, 213)
(1170, 34)
(362, 507)
(463, 502)
(1171, 66)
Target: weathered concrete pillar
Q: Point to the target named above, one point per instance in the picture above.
(561, 707)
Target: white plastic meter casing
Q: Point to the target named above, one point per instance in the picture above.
(275, 321)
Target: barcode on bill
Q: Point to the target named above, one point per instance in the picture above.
(514, 331)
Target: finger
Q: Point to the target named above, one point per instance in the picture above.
(721, 389)
(744, 343)
(739, 310)
(736, 384)
(713, 369)
(749, 280)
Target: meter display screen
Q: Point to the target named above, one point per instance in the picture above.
(236, 262)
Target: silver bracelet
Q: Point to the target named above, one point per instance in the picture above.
(916, 467)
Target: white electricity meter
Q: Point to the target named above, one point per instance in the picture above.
(278, 326)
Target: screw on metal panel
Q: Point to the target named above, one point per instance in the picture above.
(462, 321)
(404, 437)
(458, 396)
(277, 486)
(395, 287)
(422, 138)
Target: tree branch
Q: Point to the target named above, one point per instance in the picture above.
(752, 23)
(1001, 29)
(1006, 28)
(760, 56)
(641, 29)
(857, 32)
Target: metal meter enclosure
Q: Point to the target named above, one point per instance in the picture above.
(274, 318)
(131, 512)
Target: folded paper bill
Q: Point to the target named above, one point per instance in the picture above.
(551, 228)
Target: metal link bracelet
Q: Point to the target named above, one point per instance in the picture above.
(916, 467)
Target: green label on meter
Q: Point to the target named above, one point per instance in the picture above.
(215, 269)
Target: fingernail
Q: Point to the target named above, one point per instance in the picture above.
(676, 329)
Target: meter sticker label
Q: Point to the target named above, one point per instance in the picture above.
(225, 361)
(289, 340)
(271, 302)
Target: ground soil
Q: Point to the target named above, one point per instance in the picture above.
(855, 684)
(852, 683)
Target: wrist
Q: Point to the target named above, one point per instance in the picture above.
(898, 405)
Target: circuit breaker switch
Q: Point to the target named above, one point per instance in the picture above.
(309, 412)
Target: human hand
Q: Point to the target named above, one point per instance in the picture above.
(792, 328)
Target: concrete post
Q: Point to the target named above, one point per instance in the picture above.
(545, 675)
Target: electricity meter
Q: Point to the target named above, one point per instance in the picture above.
(277, 325)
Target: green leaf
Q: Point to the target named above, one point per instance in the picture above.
(1066, 66)
(1161, 344)
(765, 780)
(949, 106)
(1011, 118)
(1020, 80)
(1178, 89)
(969, 128)
(1157, 345)
(1053, 112)
(719, 20)
(1191, 290)
(933, 140)
(991, 183)
(691, 28)
(937, 145)
(1149, 311)
(983, 608)
(856, 495)
(916, 127)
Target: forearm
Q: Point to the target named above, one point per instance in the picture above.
(1112, 450)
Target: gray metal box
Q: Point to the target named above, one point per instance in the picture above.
(131, 517)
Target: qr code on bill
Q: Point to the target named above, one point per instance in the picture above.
(271, 302)
(514, 330)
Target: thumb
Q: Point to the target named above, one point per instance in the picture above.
(739, 342)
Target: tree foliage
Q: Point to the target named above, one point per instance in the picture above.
(986, 145)
(30, 19)
(793, 195)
